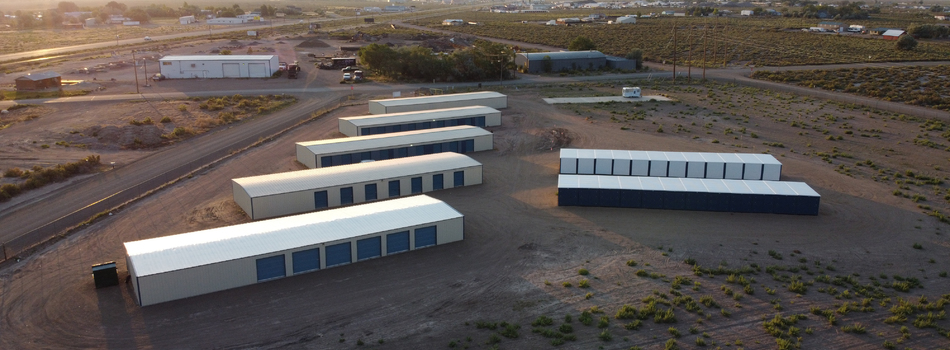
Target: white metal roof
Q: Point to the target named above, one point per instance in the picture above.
(187, 250)
(784, 188)
(407, 101)
(301, 180)
(893, 32)
(361, 143)
(38, 76)
(419, 116)
(218, 58)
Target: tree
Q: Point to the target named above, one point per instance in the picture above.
(67, 6)
(138, 14)
(636, 54)
(116, 7)
(906, 43)
(546, 64)
(582, 43)
(936, 8)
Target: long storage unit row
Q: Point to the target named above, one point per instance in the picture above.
(349, 150)
(301, 191)
(735, 166)
(409, 104)
(190, 264)
(419, 120)
(744, 196)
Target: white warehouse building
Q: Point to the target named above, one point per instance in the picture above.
(349, 150)
(418, 120)
(201, 262)
(218, 66)
(295, 192)
(408, 104)
(736, 166)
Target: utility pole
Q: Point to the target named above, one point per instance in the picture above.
(704, 51)
(725, 49)
(674, 53)
(145, 66)
(689, 55)
(136, 70)
(715, 44)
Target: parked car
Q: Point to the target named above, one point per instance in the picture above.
(146, 38)
(347, 76)
(350, 68)
(358, 75)
(158, 76)
(282, 66)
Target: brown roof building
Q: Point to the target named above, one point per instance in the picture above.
(39, 81)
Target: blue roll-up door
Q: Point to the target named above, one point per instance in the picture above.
(394, 188)
(370, 191)
(397, 242)
(437, 181)
(566, 197)
(369, 248)
(320, 200)
(630, 199)
(338, 254)
(425, 237)
(270, 267)
(346, 195)
(326, 161)
(416, 185)
(480, 121)
(459, 178)
(306, 260)
(469, 146)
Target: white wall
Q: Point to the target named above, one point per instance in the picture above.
(189, 69)
(349, 129)
(423, 104)
(311, 159)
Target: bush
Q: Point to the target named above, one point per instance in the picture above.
(565, 328)
(581, 43)
(583, 272)
(605, 335)
(584, 284)
(182, 108)
(906, 43)
(542, 321)
(165, 120)
(13, 172)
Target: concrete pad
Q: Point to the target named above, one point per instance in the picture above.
(604, 99)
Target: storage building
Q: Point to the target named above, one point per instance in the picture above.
(349, 150)
(410, 104)
(295, 192)
(419, 120)
(893, 34)
(744, 196)
(190, 264)
(38, 81)
(541, 62)
(218, 66)
(737, 166)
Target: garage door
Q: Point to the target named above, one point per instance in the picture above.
(270, 267)
(416, 185)
(370, 191)
(338, 254)
(231, 70)
(459, 178)
(306, 260)
(437, 181)
(320, 200)
(346, 195)
(397, 242)
(394, 188)
(369, 248)
(425, 237)
(256, 70)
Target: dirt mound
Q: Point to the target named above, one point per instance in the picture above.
(234, 43)
(555, 138)
(128, 137)
(253, 43)
(313, 42)
(216, 214)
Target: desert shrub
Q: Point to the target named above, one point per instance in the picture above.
(13, 172)
(165, 120)
(542, 321)
(182, 107)
(583, 272)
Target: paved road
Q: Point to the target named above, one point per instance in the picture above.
(44, 217)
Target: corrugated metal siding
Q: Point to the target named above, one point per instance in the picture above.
(308, 153)
(484, 98)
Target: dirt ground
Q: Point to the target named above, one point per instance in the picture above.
(520, 248)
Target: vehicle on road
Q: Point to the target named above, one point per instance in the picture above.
(350, 68)
(347, 76)
(147, 38)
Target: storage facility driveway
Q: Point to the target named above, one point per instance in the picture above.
(604, 99)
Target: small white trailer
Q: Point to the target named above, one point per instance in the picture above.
(631, 92)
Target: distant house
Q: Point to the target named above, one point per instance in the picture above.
(941, 18)
(631, 19)
(568, 21)
(747, 13)
(38, 81)
(187, 19)
(539, 62)
(118, 19)
(226, 20)
(453, 22)
(832, 26)
(395, 9)
(893, 34)
(878, 31)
